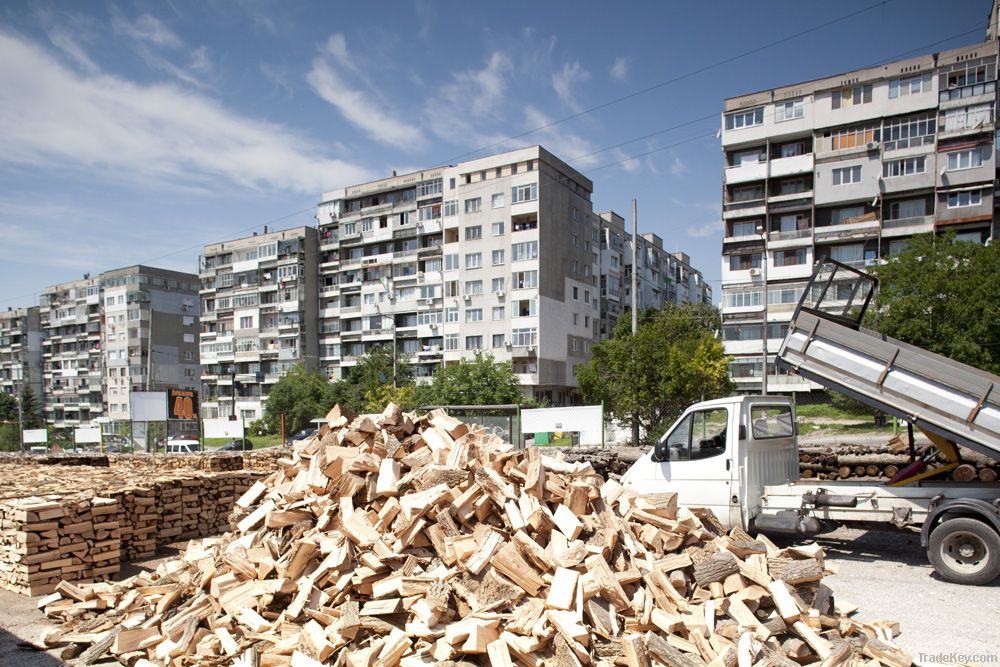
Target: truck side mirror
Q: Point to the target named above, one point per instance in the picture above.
(660, 451)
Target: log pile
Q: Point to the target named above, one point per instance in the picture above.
(884, 461)
(416, 541)
(209, 461)
(44, 541)
(98, 517)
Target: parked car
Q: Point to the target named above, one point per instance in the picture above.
(237, 445)
(183, 446)
(300, 435)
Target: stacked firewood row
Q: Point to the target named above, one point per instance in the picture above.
(209, 462)
(413, 541)
(46, 540)
(263, 460)
(76, 510)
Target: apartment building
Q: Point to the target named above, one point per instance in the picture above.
(663, 277)
(130, 329)
(258, 317)
(848, 167)
(21, 351)
(499, 254)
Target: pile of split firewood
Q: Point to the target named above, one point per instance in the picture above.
(414, 541)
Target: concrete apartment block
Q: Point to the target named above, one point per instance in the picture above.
(848, 167)
(259, 311)
(103, 335)
(21, 351)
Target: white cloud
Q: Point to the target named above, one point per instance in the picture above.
(472, 99)
(564, 79)
(619, 69)
(65, 42)
(146, 28)
(156, 134)
(577, 150)
(678, 166)
(704, 230)
(357, 106)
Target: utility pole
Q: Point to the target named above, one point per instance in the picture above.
(149, 351)
(635, 307)
(20, 414)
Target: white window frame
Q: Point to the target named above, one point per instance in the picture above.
(846, 175)
(971, 197)
(789, 110)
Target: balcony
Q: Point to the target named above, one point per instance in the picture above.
(908, 226)
(746, 172)
(847, 231)
(969, 123)
(743, 208)
(985, 89)
(790, 166)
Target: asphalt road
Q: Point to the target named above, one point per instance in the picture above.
(886, 574)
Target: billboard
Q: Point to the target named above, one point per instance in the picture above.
(148, 406)
(182, 403)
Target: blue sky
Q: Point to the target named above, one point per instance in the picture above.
(135, 132)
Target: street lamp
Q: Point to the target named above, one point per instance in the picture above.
(378, 309)
(763, 336)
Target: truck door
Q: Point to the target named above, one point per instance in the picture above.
(694, 459)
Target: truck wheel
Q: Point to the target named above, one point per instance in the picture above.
(965, 551)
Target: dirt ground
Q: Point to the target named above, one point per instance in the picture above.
(883, 572)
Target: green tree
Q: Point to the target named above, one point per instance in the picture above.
(300, 396)
(943, 296)
(31, 409)
(8, 408)
(673, 360)
(479, 381)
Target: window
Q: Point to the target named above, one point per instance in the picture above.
(497, 285)
(576, 293)
(789, 110)
(904, 167)
(897, 246)
(497, 229)
(474, 315)
(473, 205)
(450, 208)
(524, 280)
(791, 186)
(852, 137)
(473, 260)
(451, 183)
(473, 342)
(842, 216)
(524, 308)
(700, 435)
(909, 208)
(968, 237)
(790, 257)
(367, 224)
(523, 337)
(744, 228)
(522, 193)
(498, 257)
(497, 200)
(520, 252)
(432, 212)
(428, 188)
(743, 298)
(473, 233)
(747, 193)
(741, 119)
(966, 159)
(451, 315)
(965, 198)
(848, 97)
(498, 340)
(451, 261)
(846, 175)
(771, 422)
(473, 286)
(246, 322)
(792, 149)
(909, 132)
(909, 86)
(498, 313)
(744, 262)
(451, 341)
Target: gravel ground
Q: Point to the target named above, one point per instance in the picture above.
(884, 573)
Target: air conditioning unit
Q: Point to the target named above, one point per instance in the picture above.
(500, 294)
(434, 326)
(754, 272)
(873, 145)
(468, 298)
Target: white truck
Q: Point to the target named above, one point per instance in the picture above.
(739, 457)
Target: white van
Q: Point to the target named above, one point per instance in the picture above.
(184, 447)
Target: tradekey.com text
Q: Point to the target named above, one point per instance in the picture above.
(956, 657)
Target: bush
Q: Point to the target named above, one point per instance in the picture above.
(848, 404)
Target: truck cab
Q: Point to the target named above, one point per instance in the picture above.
(721, 454)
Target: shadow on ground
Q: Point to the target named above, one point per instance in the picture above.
(15, 652)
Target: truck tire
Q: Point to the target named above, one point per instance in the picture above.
(965, 551)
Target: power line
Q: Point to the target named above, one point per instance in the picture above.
(679, 77)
